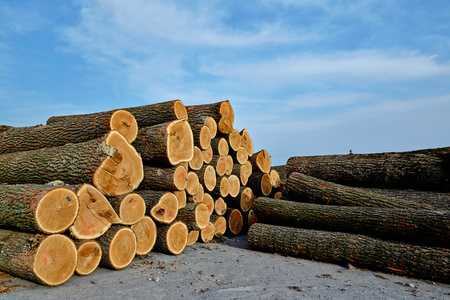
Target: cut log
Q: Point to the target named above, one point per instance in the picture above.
(166, 143)
(234, 186)
(242, 172)
(260, 161)
(243, 201)
(304, 188)
(222, 187)
(110, 163)
(247, 142)
(235, 220)
(276, 180)
(45, 259)
(208, 200)
(234, 140)
(171, 239)
(207, 155)
(248, 219)
(207, 177)
(281, 170)
(173, 178)
(229, 163)
(162, 206)
(220, 146)
(37, 208)
(220, 206)
(260, 183)
(118, 247)
(202, 135)
(192, 183)
(145, 232)
(95, 215)
(221, 112)
(146, 115)
(439, 200)
(220, 225)
(194, 215)
(196, 163)
(181, 197)
(204, 120)
(197, 197)
(420, 170)
(207, 234)
(192, 237)
(249, 166)
(37, 137)
(414, 226)
(130, 208)
(89, 254)
(220, 164)
(240, 155)
(356, 249)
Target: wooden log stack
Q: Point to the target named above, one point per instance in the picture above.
(383, 211)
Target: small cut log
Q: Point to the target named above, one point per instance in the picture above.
(173, 178)
(118, 247)
(221, 112)
(261, 161)
(171, 239)
(89, 254)
(129, 207)
(207, 234)
(145, 232)
(162, 206)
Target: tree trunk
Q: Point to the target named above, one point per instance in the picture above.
(260, 183)
(196, 163)
(89, 254)
(235, 220)
(247, 142)
(173, 178)
(36, 137)
(220, 206)
(207, 177)
(220, 225)
(221, 112)
(130, 208)
(359, 250)
(261, 161)
(241, 171)
(194, 215)
(162, 206)
(45, 259)
(439, 200)
(95, 215)
(110, 163)
(145, 231)
(304, 188)
(204, 120)
(166, 143)
(171, 239)
(220, 146)
(207, 234)
(37, 208)
(414, 226)
(421, 170)
(202, 135)
(146, 115)
(243, 201)
(118, 247)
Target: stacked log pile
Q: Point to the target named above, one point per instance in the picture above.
(383, 211)
(95, 190)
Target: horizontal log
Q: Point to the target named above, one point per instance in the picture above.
(170, 178)
(119, 247)
(129, 207)
(221, 112)
(89, 254)
(145, 231)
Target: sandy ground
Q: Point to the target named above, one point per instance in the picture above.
(229, 269)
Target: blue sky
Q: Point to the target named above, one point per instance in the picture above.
(305, 77)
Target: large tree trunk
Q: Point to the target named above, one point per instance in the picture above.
(118, 247)
(95, 215)
(129, 207)
(166, 143)
(424, 226)
(89, 254)
(37, 208)
(194, 215)
(172, 178)
(162, 206)
(221, 112)
(45, 259)
(304, 188)
(359, 250)
(58, 134)
(110, 163)
(146, 115)
(145, 231)
(260, 183)
(171, 239)
(421, 170)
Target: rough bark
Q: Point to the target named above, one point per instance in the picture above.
(222, 187)
(240, 155)
(204, 120)
(261, 161)
(145, 231)
(37, 208)
(281, 170)
(220, 146)
(95, 215)
(360, 250)
(45, 259)
(162, 206)
(194, 215)
(207, 177)
(221, 112)
(202, 135)
(110, 163)
(146, 115)
(260, 183)
(72, 131)
(130, 207)
(304, 188)
(243, 201)
(415, 226)
(173, 178)
(118, 247)
(420, 170)
(89, 254)
(4, 128)
(171, 239)
(166, 143)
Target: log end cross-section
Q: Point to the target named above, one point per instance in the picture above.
(180, 142)
(89, 256)
(119, 247)
(124, 122)
(145, 231)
